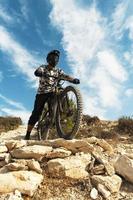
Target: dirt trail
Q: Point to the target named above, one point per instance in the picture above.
(17, 134)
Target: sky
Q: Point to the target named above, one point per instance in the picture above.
(95, 38)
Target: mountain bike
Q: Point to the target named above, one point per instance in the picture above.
(63, 111)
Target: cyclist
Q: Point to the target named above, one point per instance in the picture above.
(46, 88)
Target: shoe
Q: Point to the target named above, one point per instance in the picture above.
(27, 137)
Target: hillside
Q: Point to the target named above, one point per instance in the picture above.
(9, 123)
(98, 164)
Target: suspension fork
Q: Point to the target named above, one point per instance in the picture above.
(52, 109)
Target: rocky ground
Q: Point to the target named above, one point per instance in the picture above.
(79, 169)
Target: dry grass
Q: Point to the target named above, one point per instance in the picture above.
(9, 123)
(125, 125)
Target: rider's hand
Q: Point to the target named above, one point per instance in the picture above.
(76, 81)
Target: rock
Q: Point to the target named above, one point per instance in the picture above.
(99, 169)
(24, 181)
(12, 196)
(91, 140)
(25, 165)
(112, 183)
(103, 160)
(16, 166)
(94, 193)
(3, 155)
(58, 153)
(36, 151)
(73, 167)
(14, 144)
(15, 196)
(2, 163)
(8, 158)
(101, 142)
(4, 169)
(124, 167)
(74, 145)
(129, 155)
(3, 149)
(104, 191)
(34, 165)
(105, 145)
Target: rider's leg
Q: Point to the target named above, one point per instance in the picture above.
(29, 129)
(38, 107)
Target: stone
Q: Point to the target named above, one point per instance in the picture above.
(34, 165)
(91, 140)
(73, 167)
(94, 193)
(104, 191)
(12, 196)
(99, 169)
(74, 145)
(4, 169)
(124, 167)
(14, 144)
(24, 181)
(112, 183)
(129, 155)
(8, 158)
(2, 163)
(2, 156)
(105, 145)
(25, 165)
(16, 166)
(36, 151)
(3, 148)
(103, 160)
(58, 153)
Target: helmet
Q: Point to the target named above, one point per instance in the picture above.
(53, 57)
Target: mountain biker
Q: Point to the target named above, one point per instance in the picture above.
(46, 88)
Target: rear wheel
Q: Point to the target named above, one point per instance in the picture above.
(43, 123)
(69, 113)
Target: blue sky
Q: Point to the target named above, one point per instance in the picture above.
(95, 38)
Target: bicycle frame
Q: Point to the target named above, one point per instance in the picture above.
(53, 112)
(52, 106)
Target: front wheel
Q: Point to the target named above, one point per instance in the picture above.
(69, 113)
(43, 123)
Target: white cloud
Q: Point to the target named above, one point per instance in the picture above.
(119, 18)
(129, 26)
(12, 102)
(24, 9)
(23, 114)
(85, 38)
(129, 92)
(5, 16)
(20, 57)
(108, 60)
(122, 19)
(18, 111)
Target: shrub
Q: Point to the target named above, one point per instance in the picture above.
(91, 120)
(125, 124)
(9, 123)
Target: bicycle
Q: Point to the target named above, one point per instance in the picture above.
(64, 111)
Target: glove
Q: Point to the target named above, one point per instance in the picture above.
(76, 81)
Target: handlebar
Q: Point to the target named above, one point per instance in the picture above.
(55, 77)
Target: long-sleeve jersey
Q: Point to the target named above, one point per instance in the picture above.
(46, 84)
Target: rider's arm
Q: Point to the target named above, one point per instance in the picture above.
(40, 71)
(69, 78)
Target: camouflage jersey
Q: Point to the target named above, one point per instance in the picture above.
(46, 84)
